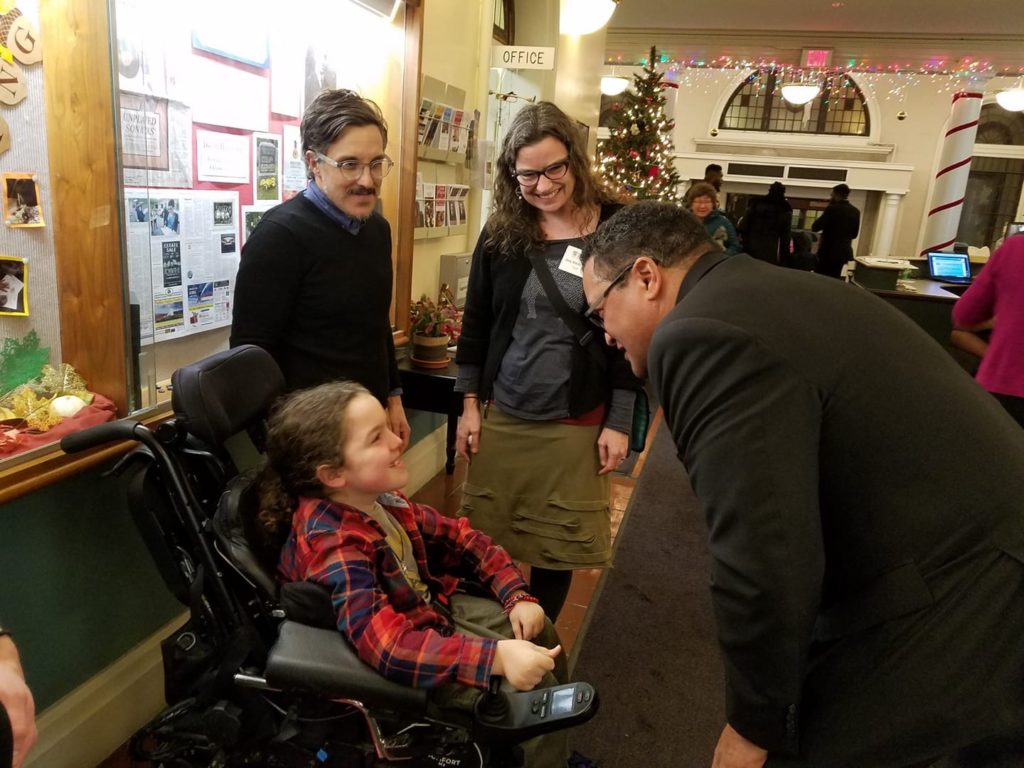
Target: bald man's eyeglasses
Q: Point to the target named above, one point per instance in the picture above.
(592, 311)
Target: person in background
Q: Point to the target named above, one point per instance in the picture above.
(867, 546)
(765, 227)
(546, 416)
(713, 175)
(314, 283)
(998, 292)
(17, 709)
(839, 224)
(702, 200)
(392, 566)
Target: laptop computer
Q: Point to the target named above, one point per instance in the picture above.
(953, 268)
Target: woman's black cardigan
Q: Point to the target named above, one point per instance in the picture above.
(496, 282)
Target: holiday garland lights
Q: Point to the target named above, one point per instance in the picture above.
(892, 79)
(638, 157)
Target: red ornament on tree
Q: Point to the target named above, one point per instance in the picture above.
(634, 154)
(654, 171)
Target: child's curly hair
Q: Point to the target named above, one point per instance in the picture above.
(305, 431)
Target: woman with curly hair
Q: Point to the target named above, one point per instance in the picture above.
(546, 414)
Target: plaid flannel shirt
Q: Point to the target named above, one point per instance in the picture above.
(394, 630)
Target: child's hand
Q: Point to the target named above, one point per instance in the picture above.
(522, 663)
(527, 620)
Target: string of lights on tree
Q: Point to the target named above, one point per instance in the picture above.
(889, 81)
(638, 157)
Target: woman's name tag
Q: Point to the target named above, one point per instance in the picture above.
(572, 261)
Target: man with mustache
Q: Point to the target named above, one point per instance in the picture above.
(314, 284)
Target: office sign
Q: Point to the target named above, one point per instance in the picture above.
(522, 57)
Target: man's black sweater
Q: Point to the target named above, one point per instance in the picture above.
(318, 298)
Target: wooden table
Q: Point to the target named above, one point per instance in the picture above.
(433, 390)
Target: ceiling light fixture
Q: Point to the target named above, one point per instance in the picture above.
(799, 94)
(1012, 99)
(613, 85)
(581, 17)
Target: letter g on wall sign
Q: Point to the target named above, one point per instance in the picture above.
(522, 57)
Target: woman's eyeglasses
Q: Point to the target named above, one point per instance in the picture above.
(555, 171)
(351, 170)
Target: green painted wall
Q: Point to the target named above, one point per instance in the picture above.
(77, 586)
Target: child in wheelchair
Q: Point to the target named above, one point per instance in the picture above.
(393, 567)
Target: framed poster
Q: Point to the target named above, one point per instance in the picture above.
(266, 164)
(13, 286)
(21, 201)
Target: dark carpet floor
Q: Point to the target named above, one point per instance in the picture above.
(649, 647)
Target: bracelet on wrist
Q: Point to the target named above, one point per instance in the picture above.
(470, 396)
(520, 597)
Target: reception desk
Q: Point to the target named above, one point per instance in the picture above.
(928, 303)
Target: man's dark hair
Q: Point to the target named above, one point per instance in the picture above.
(712, 167)
(665, 233)
(841, 190)
(331, 113)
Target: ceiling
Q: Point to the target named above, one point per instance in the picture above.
(937, 34)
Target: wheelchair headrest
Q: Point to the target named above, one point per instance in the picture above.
(222, 394)
(234, 523)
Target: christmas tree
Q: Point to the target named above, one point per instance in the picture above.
(637, 158)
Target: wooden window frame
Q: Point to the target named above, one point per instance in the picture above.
(506, 35)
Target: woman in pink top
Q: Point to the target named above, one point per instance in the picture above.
(998, 294)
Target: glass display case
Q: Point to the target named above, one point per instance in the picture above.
(137, 155)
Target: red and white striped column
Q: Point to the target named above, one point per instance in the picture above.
(954, 166)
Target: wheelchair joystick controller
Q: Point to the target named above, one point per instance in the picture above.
(521, 715)
(492, 706)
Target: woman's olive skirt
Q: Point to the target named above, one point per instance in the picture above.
(533, 487)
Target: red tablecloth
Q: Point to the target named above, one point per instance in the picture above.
(98, 411)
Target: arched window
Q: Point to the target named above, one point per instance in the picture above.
(757, 105)
(997, 126)
(996, 180)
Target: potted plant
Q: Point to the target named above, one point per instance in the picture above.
(433, 325)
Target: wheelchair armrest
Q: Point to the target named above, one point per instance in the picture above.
(321, 661)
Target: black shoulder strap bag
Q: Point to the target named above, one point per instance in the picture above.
(585, 336)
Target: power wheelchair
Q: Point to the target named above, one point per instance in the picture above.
(259, 674)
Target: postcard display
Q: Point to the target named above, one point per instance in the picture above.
(199, 167)
(444, 138)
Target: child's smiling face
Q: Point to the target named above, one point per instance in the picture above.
(372, 452)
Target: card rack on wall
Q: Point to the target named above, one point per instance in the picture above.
(444, 123)
(445, 129)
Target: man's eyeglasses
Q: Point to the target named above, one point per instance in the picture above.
(351, 170)
(555, 171)
(592, 311)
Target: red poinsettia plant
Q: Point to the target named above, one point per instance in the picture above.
(440, 318)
